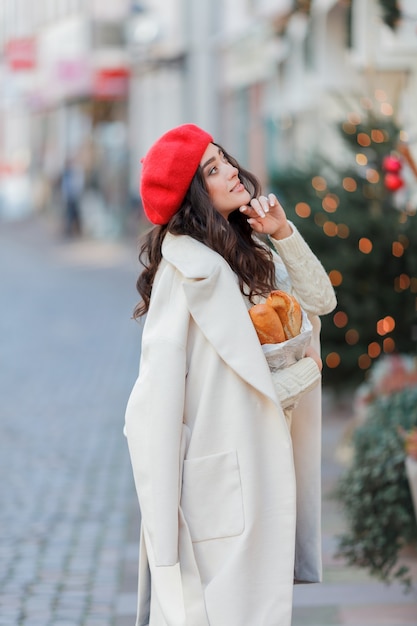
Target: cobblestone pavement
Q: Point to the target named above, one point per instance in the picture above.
(68, 516)
(68, 358)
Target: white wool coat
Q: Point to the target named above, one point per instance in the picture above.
(230, 499)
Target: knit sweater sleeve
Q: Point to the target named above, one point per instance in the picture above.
(309, 279)
(292, 382)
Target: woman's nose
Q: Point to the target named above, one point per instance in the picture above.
(232, 171)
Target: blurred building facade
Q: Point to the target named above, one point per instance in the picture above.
(64, 80)
(99, 80)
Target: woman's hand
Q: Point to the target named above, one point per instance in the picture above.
(266, 216)
(313, 354)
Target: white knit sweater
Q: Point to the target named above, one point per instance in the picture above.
(299, 271)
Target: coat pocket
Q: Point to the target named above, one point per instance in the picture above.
(212, 496)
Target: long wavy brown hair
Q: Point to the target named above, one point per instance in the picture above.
(246, 254)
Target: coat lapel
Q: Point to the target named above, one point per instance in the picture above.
(218, 308)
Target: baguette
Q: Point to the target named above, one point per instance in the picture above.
(288, 310)
(267, 324)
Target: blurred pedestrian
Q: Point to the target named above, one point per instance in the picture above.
(229, 495)
(72, 188)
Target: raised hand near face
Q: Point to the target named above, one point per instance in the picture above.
(267, 216)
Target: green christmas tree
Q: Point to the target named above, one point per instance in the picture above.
(366, 239)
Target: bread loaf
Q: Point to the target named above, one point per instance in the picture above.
(288, 310)
(267, 324)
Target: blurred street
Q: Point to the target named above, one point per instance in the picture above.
(68, 358)
(68, 517)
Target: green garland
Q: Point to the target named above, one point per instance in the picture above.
(391, 12)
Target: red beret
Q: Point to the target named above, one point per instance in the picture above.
(168, 169)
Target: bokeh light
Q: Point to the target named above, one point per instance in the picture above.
(402, 282)
(361, 159)
(340, 319)
(364, 361)
(348, 128)
(363, 140)
(318, 183)
(343, 231)
(372, 176)
(303, 209)
(388, 345)
(374, 350)
(397, 249)
(333, 360)
(365, 245)
(330, 229)
(336, 278)
(330, 203)
(378, 136)
(387, 109)
(385, 325)
(349, 184)
(352, 337)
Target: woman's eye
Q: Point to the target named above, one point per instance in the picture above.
(213, 170)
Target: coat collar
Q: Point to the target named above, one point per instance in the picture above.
(218, 308)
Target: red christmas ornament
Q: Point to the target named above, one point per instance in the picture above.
(393, 182)
(391, 163)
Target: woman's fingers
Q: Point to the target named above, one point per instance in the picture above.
(258, 207)
(261, 205)
(264, 214)
(272, 199)
(256, 225)
(253, 209)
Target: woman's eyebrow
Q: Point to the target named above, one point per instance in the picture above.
(210, 160)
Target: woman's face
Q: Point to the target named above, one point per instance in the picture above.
(226, 191)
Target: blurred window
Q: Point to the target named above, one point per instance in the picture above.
(2, 22)
(10, 19)
(50, 10)
(24, 16)
(65, 7)
(74, 5)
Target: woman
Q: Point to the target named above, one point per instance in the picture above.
(225, 533)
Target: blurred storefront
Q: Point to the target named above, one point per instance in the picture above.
(66, 67)
(17, 67)
(99, 80)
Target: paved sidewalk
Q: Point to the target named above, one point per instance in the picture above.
(69, 518)
(68, 358)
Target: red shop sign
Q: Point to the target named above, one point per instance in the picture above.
(111, 83)
(21, 53)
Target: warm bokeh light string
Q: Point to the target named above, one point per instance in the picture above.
(357, 207)
(392, 166)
